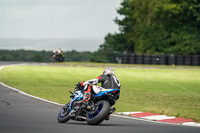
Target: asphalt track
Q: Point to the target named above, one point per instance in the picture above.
(23, 114)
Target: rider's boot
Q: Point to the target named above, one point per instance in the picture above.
(107, 117)
(112, 109)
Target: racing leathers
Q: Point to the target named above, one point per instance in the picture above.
(107, 82)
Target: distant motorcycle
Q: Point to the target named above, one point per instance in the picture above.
(58, 57)
(101, 106)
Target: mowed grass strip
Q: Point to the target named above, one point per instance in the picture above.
(92, 64)
(173, 92)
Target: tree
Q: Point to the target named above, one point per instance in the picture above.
(42, 56)
(175, 29)
(157, 27)
(122, 41)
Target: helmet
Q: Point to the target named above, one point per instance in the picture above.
(109, 71)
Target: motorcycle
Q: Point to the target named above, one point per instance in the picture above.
(58, 57)
(101, 106)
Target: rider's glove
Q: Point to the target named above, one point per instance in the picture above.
(80, 85)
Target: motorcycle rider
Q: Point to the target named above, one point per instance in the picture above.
(53, 54)
(58, 55)
(59, 51)
(108, 80)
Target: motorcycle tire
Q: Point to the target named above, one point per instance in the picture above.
(97, 116)
(63, 115)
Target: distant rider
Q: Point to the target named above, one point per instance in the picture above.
(58, 55)
(59, 51)
(53, 54)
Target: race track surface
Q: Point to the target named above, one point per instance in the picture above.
(23, 114)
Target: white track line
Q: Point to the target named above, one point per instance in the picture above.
(140, 119)
(191, 124)
(129, 113)
(29, 94)
(1, 67)
(158, 117)
(24, 92)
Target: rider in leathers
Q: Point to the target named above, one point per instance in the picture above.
(108, 80)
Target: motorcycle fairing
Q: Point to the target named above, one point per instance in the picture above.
(106, 91)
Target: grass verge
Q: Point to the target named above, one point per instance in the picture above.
(92, 64)
(174, 92)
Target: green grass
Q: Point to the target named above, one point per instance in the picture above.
(91, 64)
(174, 92)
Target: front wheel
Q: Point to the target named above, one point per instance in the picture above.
(63, 115)
(101, 112)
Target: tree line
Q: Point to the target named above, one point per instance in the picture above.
(42, 56)
(155, 27)
(145, 27)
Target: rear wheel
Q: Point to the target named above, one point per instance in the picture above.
(63, 115)
(101, 112)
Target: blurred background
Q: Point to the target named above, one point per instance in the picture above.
(163, 32)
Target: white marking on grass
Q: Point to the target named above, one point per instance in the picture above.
(158, 117)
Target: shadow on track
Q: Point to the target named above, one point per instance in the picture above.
(100, 125)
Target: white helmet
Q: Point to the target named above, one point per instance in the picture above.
(109, 71)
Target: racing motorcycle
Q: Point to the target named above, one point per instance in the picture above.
(58, 57)
(101, 105)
